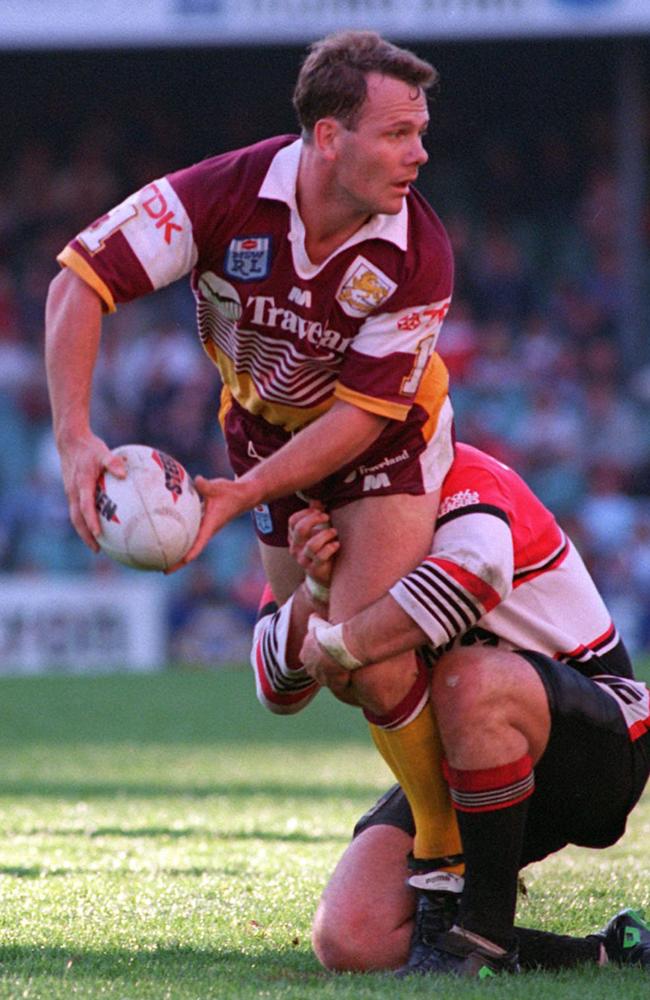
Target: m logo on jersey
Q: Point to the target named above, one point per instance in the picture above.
(378, 481)
(364, 288)
(248, 258)
(301, 296)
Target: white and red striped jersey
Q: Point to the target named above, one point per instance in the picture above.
(502, 573)
(279, 688)
(287, 335)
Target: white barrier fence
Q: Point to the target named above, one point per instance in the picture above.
(81, 625)
(52, 23)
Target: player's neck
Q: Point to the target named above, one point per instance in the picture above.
(329, 219)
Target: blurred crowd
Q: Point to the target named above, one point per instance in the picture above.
(534, 345)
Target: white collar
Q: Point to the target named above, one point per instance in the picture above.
(280, 184)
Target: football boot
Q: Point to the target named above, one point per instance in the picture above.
(627, 939)
(460, 953)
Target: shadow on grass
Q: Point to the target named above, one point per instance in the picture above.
(207, 710)
(25, 788)
(36, 873)
(295, 837)
(165, 964)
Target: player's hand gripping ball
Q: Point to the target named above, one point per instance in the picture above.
(150, 519)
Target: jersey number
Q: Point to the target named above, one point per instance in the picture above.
(96, 235)
(424, 351)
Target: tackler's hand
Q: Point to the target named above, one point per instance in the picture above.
(313, 543)
(320, 665)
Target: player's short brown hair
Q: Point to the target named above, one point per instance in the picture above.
(332, 80)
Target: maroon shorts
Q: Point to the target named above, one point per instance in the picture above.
(399, 461)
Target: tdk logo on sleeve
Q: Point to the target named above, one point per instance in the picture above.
(248, 258)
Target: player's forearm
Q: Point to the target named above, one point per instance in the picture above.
(72, 335)
(381, 631)
(302, 606)
(325, 446)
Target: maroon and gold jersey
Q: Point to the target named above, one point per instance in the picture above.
(287, 335)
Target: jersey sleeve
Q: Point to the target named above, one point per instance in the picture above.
(159, 234)
(144, 243)
(469, 572)
(388, 367)
(279, 688)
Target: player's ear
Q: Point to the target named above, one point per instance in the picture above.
(326, 137)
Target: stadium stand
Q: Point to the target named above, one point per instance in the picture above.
(533, 344)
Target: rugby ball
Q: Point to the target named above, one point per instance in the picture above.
(150, 519)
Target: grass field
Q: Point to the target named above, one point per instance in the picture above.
(165, 837)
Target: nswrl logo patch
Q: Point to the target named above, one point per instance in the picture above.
(263, 519)
(248, 258)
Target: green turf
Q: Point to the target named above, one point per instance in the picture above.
(165, 837)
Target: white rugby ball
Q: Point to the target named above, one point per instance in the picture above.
(150, 519)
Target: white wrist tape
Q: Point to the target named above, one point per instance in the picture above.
(330, 639)
(317, 590)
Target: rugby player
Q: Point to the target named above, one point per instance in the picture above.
(321, 279)
(544, 728)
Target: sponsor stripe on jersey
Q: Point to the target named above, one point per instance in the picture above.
(160, 235)
(394, 411)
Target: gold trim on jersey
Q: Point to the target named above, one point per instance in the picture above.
(432, 393)
(240, 386)
(394, 411)
(70, 258)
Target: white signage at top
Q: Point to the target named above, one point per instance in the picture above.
(80, 23)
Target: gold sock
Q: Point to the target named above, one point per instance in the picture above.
(414, 755)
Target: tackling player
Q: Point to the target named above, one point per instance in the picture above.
(543, 748)
(321, 279)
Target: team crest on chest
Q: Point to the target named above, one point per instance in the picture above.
(364, 288)
(248, 258)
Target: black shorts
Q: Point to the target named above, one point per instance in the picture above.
(587, 781)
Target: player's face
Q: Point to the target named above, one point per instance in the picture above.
(380, 158)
